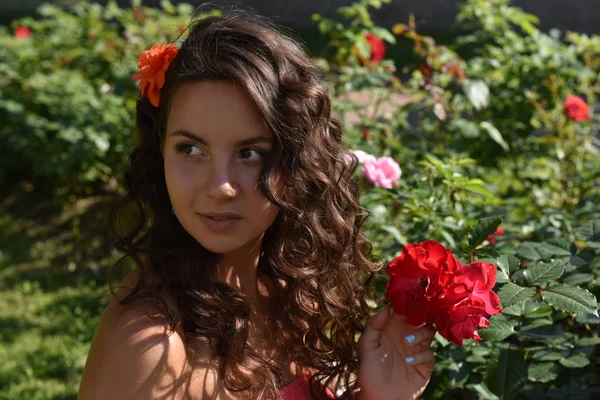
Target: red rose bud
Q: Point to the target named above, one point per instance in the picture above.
(377, 47)
(22, 32)
(428, 285)
(576, 109)
(492, 238)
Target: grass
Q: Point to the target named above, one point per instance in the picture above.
(52, 290)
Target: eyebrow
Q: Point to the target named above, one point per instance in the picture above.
(257, 139)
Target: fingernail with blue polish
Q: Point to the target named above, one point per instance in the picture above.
(410, 359)
(410, 339)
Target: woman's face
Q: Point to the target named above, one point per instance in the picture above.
(213, 153)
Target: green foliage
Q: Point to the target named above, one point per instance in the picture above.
(482, 136)
(478, 128)
(67, 100)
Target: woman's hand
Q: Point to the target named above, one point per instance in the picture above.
(384, 373)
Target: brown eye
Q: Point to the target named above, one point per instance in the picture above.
(185, 149)
(248, 152)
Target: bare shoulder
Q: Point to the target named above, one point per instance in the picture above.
(133, 356)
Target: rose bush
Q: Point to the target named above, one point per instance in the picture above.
(482, 126)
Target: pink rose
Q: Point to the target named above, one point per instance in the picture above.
(384, 172)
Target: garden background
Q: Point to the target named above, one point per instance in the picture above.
(494, 121)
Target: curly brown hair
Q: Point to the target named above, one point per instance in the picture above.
(315, 253)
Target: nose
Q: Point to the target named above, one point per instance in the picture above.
(222, 181)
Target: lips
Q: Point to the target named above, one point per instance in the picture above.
(222, 215)
(220, 225)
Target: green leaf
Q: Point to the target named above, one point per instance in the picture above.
(514, 294)
(522, 277)
(571, 299)
(508, 263)
(540, 372)
(506, 373)
(588, 341)
(577, 360)
(363, 47)
(590, 231)
(531, 308)
(480, 231)
(479, 189)
(543, 332)
(540, 251)
(486, 252)
(578, 279)
(548, 355)
(494, 134)
(168, 7)
(544, 311)
(578, 261)
(391, 229)
(498, 330)
(527, 250)
(544, 272)
(560, 242)
(547, 250)
(501, 277)
(384, 34)
(589, 319)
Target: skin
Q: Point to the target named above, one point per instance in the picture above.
(220, 175)
(133, 357)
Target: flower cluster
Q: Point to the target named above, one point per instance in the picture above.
(153, 64)
(429, 285)
(383, 171)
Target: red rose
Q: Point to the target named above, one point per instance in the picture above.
(377, 47)
(492, 238)
(576, 109)
(419, 276)
(477, 280)
(22, 32)
(428, 285)
(461, 321)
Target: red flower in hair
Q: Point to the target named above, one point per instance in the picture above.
(153, 64)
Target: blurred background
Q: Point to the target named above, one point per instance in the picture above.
(489, 107)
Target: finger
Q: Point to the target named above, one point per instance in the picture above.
(422, 357)
(369, 340)
(419, 335)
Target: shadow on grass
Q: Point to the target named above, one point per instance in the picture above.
(75, 313)
(13, 326)
(53, 240)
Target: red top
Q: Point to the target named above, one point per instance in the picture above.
(299, 389)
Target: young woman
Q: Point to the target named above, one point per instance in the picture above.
(251, 273)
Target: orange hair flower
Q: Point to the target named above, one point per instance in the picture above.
(153, 64)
